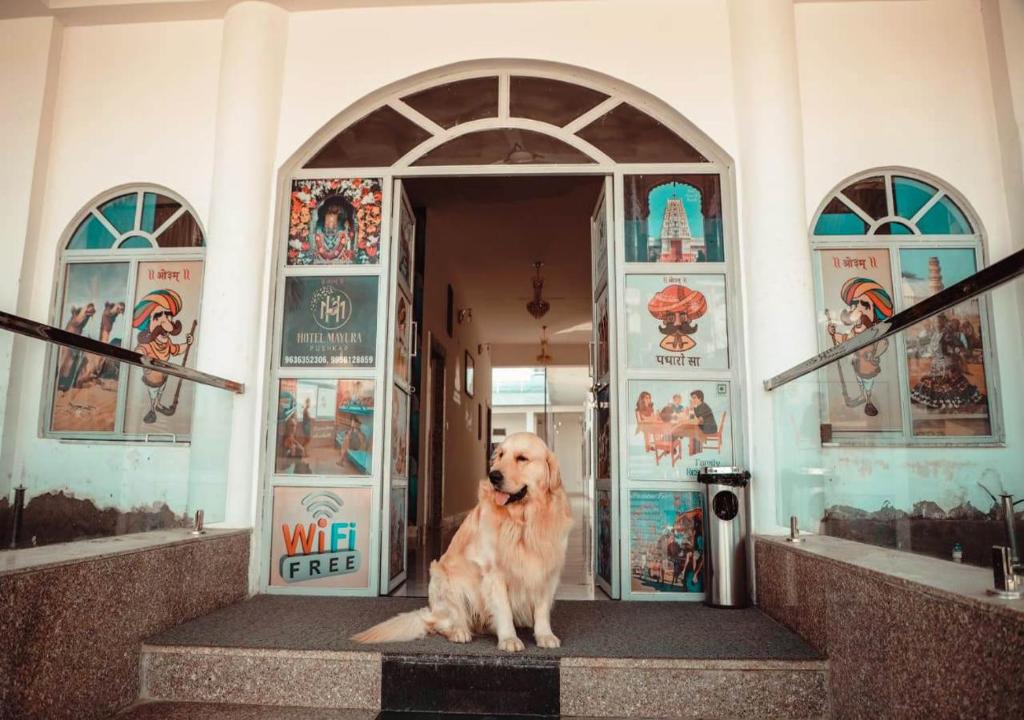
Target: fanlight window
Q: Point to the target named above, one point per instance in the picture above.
(131, 275)
(882, 242)
(448, 125)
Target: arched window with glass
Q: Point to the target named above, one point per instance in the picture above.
(883, 241)
(130, 274)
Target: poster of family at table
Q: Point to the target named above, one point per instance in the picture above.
(676, 322)
(678, 427)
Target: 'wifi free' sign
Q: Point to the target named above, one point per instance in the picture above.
(318, 549)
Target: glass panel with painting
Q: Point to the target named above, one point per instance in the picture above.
(324, 427)
(677, 427)
(676, 321)
(674, 219)
(945, 354)
(863, 390)
(86, 388)
(666, 548)
(335, 222)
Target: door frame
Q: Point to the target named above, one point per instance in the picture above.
(719, 163)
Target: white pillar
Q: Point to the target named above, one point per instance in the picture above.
(234, 297)
(29, 67)
(776, 260)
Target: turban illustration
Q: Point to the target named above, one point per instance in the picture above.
(167, 300)
(871, 291)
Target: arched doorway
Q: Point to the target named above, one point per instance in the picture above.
(665, 362)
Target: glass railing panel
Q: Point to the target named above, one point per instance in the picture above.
(96, 447)
(923, 467)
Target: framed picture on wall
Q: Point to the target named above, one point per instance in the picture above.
(449, 320)
(469, 370)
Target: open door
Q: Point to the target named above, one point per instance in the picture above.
(400, 353)
(603, 452)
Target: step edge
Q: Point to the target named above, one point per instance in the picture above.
(739, 664)
(342, 655)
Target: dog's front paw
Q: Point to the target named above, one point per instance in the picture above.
(511, 644)
(460, 636)
(548, 641)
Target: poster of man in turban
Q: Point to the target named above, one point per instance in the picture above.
(862, 389)
(164, 322)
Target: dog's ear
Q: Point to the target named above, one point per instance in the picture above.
(554, 474)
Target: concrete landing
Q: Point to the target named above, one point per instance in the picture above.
(616, 660)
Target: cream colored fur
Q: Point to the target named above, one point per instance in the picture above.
(503, 565)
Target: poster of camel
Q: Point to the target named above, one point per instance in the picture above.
(678, 427)
(862, 390)
(674, 219)
(94, 305)
(676, 322)
(164, 319)
(946, 353)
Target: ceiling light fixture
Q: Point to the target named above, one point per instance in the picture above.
(538, 307)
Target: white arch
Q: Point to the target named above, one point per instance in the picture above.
(503, 69)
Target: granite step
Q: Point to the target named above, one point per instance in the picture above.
(616, 660)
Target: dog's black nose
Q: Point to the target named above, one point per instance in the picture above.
(496, 477)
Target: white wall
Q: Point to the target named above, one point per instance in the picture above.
(907, 84)
(134, 103)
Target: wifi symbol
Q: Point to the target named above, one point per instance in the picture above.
(322, 504)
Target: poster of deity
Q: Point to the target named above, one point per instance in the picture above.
(674, 219)
(325, 427)
(396, 533)
(320, 537)
(676, 322)
(666, 543)
(406, 247)
(403, 338)
(678, 427)
(335, 222)
(94, 306)
(862, 389)
(329, 321)
(604, 535)
(165, 326)
(399, 433)
(945, 353)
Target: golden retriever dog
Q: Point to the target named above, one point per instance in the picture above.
(502, 567)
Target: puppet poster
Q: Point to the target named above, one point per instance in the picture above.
(666, 548)
(329, 321)
(87, 385)
(676, 322)
(863, 388)
(945, 354)
(165, 325)
(399, 433)
(335, 222)
(321, 537)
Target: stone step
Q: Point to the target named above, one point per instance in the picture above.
(617, 660)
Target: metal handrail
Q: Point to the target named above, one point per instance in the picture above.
(48, 333)
(986, 279)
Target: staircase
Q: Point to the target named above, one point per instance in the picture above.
(617, 660)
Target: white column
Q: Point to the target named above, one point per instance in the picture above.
(29, 67)
(234, 295)
(776, 261)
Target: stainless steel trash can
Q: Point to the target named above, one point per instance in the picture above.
(725, 535)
